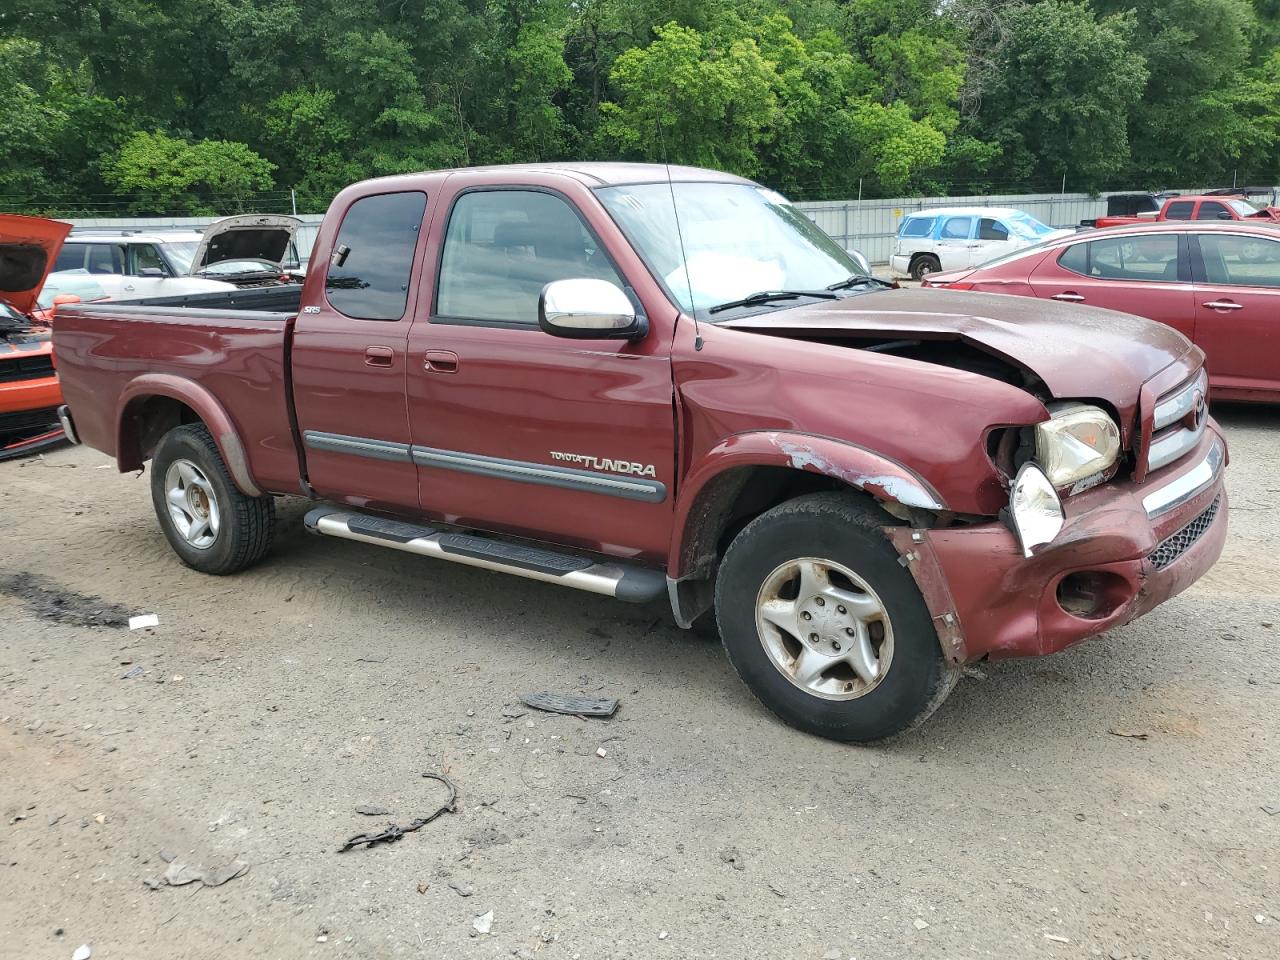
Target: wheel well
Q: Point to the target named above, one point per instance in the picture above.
(145, 421)
(922, 255)
(734, 498)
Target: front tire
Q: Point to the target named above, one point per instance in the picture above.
(211, 525)
(825, 626)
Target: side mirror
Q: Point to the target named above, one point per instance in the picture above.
(152, 272)
(1223, 215)
(589, 310)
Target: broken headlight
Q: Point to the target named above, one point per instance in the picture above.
(1035, 509)
(1077, 443)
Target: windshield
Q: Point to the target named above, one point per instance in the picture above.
(1243, 208)
(738, 239)
(1028, 226)
(180, 253)
(225, 267)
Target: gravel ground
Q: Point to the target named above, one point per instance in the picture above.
(1109, 801)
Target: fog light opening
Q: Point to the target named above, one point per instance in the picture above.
(1093, 594)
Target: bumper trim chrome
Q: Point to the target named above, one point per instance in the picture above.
(1190, 484)
(68, 425)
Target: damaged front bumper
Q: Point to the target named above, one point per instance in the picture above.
(1125, 548)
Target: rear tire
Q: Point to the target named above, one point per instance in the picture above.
(211, 525)
(924, 265)
(825, 626)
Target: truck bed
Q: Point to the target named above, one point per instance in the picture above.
(285, 298)
(218, 348)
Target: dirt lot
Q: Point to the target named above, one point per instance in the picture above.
(1105, 802)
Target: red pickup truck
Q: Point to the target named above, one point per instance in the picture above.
(1214, 207)
(641, 382)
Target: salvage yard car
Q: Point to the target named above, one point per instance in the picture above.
(949, 238)
(250, 250)
(29, 392)
(1218, 283)
(644, 383)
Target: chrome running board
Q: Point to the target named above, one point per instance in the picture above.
(621, 581)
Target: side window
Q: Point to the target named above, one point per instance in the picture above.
(1240, 260)
(70, 257)
(369, 271)
(989, 229)
(105, 258)
(1132, 258)
(1075, 258)
(957, 228)
(146, 261)
(503, 246)
(917, 227)
(1180, 210)
(1211, 210)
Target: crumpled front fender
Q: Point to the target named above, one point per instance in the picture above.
(860, 468)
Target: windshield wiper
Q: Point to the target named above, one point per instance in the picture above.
(858, 280)
(770, 296)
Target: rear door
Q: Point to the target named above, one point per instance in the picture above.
(1144, 274)
(954, 237)
(349, 359)
(1237, 298)
(515, 430)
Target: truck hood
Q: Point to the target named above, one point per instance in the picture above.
(28, 247)
(246, 237)
(1077, 352)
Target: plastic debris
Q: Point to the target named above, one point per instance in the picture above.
(483, 923)
(372, 810)
(573, 706)
(82, 952)
(920, 924)
(601, 752)
(133, 672)
(144, 620)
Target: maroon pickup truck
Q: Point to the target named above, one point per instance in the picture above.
(641, 382)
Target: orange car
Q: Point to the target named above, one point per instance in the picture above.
(29, 391)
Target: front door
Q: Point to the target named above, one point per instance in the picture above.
(1237, 296)
(515, 430)
(349, 361)
(992, 241)
(1145, 274)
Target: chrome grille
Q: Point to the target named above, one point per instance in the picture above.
(1179, 422)
(1171, 548)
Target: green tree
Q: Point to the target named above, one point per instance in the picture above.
(165, 175)
(1058, 95)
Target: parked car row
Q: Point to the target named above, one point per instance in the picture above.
(951, 238)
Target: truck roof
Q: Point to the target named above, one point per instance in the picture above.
(596, 173)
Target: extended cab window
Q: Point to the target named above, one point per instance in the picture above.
(503, 246)
(369, 270)
(1125, 258)
(957, 228)
(1212, 210)
(1242, 261)
(917, 227)
(1180, 210)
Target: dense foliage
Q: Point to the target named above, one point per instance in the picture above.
(138, 106)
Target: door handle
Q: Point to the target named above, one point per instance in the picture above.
(378, 356)
(129, 286)
(1068, 297)
(441, 361)
(1223, 305)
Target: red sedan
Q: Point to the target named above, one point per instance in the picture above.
(1216, 282)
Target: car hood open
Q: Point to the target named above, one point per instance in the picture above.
(246, 237)
(28, 248)
(1077, 352)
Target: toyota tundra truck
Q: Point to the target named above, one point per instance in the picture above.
(650, 382)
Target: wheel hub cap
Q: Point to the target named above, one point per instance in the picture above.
(824, 628)
(193, 507)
